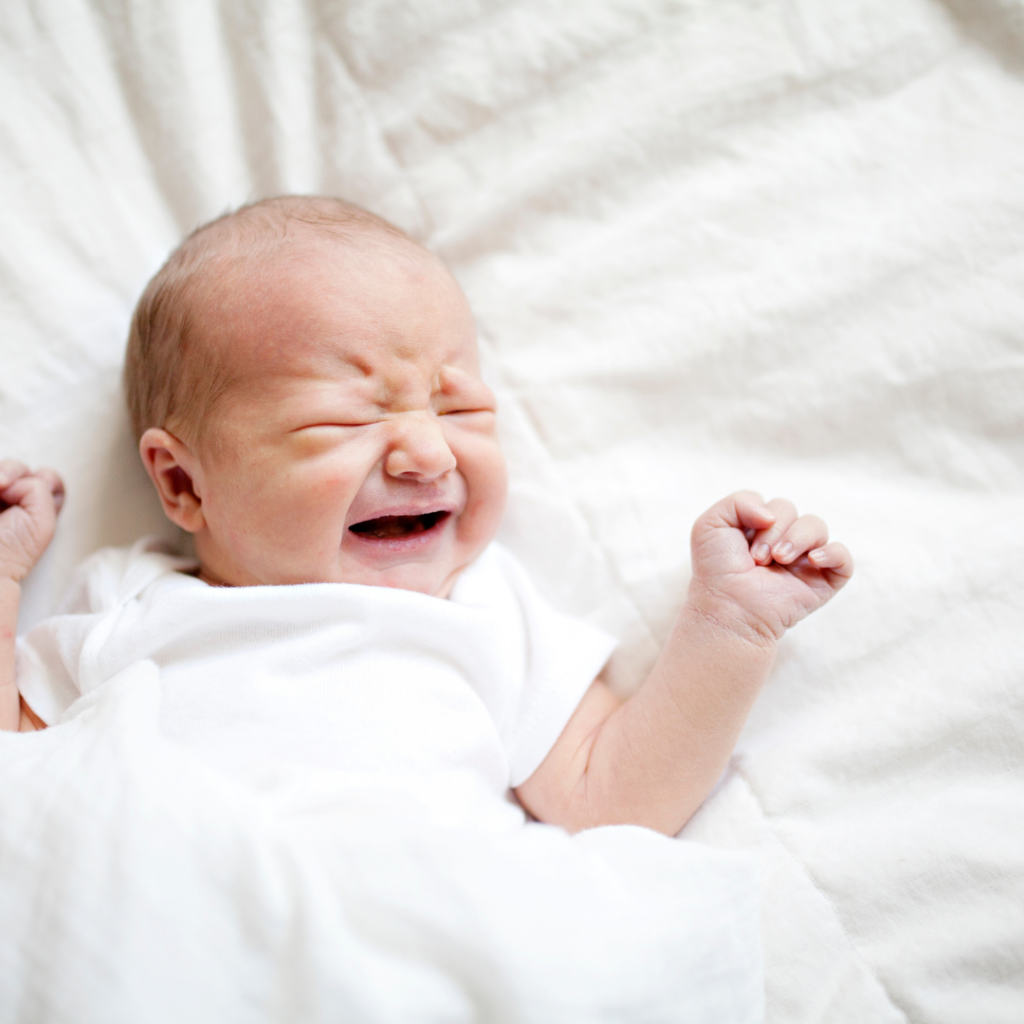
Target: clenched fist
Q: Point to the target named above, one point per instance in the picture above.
(29, 503)
(759, 568)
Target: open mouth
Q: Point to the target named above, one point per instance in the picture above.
(398, 527)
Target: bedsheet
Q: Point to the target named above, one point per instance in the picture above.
(710, 244)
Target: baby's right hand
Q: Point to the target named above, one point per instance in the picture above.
(29, 503)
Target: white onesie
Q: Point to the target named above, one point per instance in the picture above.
(447, 703)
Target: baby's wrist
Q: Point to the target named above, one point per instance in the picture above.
(10, 601)
(724, 614)
(10, 579)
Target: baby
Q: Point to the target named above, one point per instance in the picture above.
(304, 384)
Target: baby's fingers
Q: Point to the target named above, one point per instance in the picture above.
(56, 485)
(748, 509)
(32, 494)
(834, 561)
(20, 486)
(744, 510)
(720, 537)
(10, 471)
(763, 541)
(803, 534)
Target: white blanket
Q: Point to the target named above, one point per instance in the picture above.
(710, 244)
(140, 885)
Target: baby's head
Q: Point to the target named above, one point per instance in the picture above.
(303, 381)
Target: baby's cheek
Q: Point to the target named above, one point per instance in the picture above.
(326, 484)
(483, 468)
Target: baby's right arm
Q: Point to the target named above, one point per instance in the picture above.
(29, 503)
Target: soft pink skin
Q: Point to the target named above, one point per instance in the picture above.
(358, 396)
(653, 759)
(29, 503)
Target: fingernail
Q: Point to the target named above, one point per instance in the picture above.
(783, 550)
(816, 554)
(760, 552)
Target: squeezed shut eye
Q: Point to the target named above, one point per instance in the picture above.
(390, 527)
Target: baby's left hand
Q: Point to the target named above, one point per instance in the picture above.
(759, 566)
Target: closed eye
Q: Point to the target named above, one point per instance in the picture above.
(327, 426)
(469, 419)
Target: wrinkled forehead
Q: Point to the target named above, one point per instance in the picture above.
(362, 306)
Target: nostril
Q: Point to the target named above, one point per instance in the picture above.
(420, 459)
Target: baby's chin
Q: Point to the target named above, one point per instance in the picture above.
(433, 576)
(432, 581)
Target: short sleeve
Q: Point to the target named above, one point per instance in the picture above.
(561, 657)
(46, 659)
(49, 655)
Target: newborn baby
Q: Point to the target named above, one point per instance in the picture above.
(304, 384)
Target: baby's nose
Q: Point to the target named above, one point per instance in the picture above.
(419, 451)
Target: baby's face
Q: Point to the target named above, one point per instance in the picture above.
(356, 442)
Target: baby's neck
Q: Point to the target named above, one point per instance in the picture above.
(210, 578)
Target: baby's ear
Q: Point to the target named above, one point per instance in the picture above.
(169, 463)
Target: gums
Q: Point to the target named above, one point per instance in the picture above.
(398, 527)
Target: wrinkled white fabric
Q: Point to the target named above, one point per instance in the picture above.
(152, 888)
(709, 244)
(442, 703)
